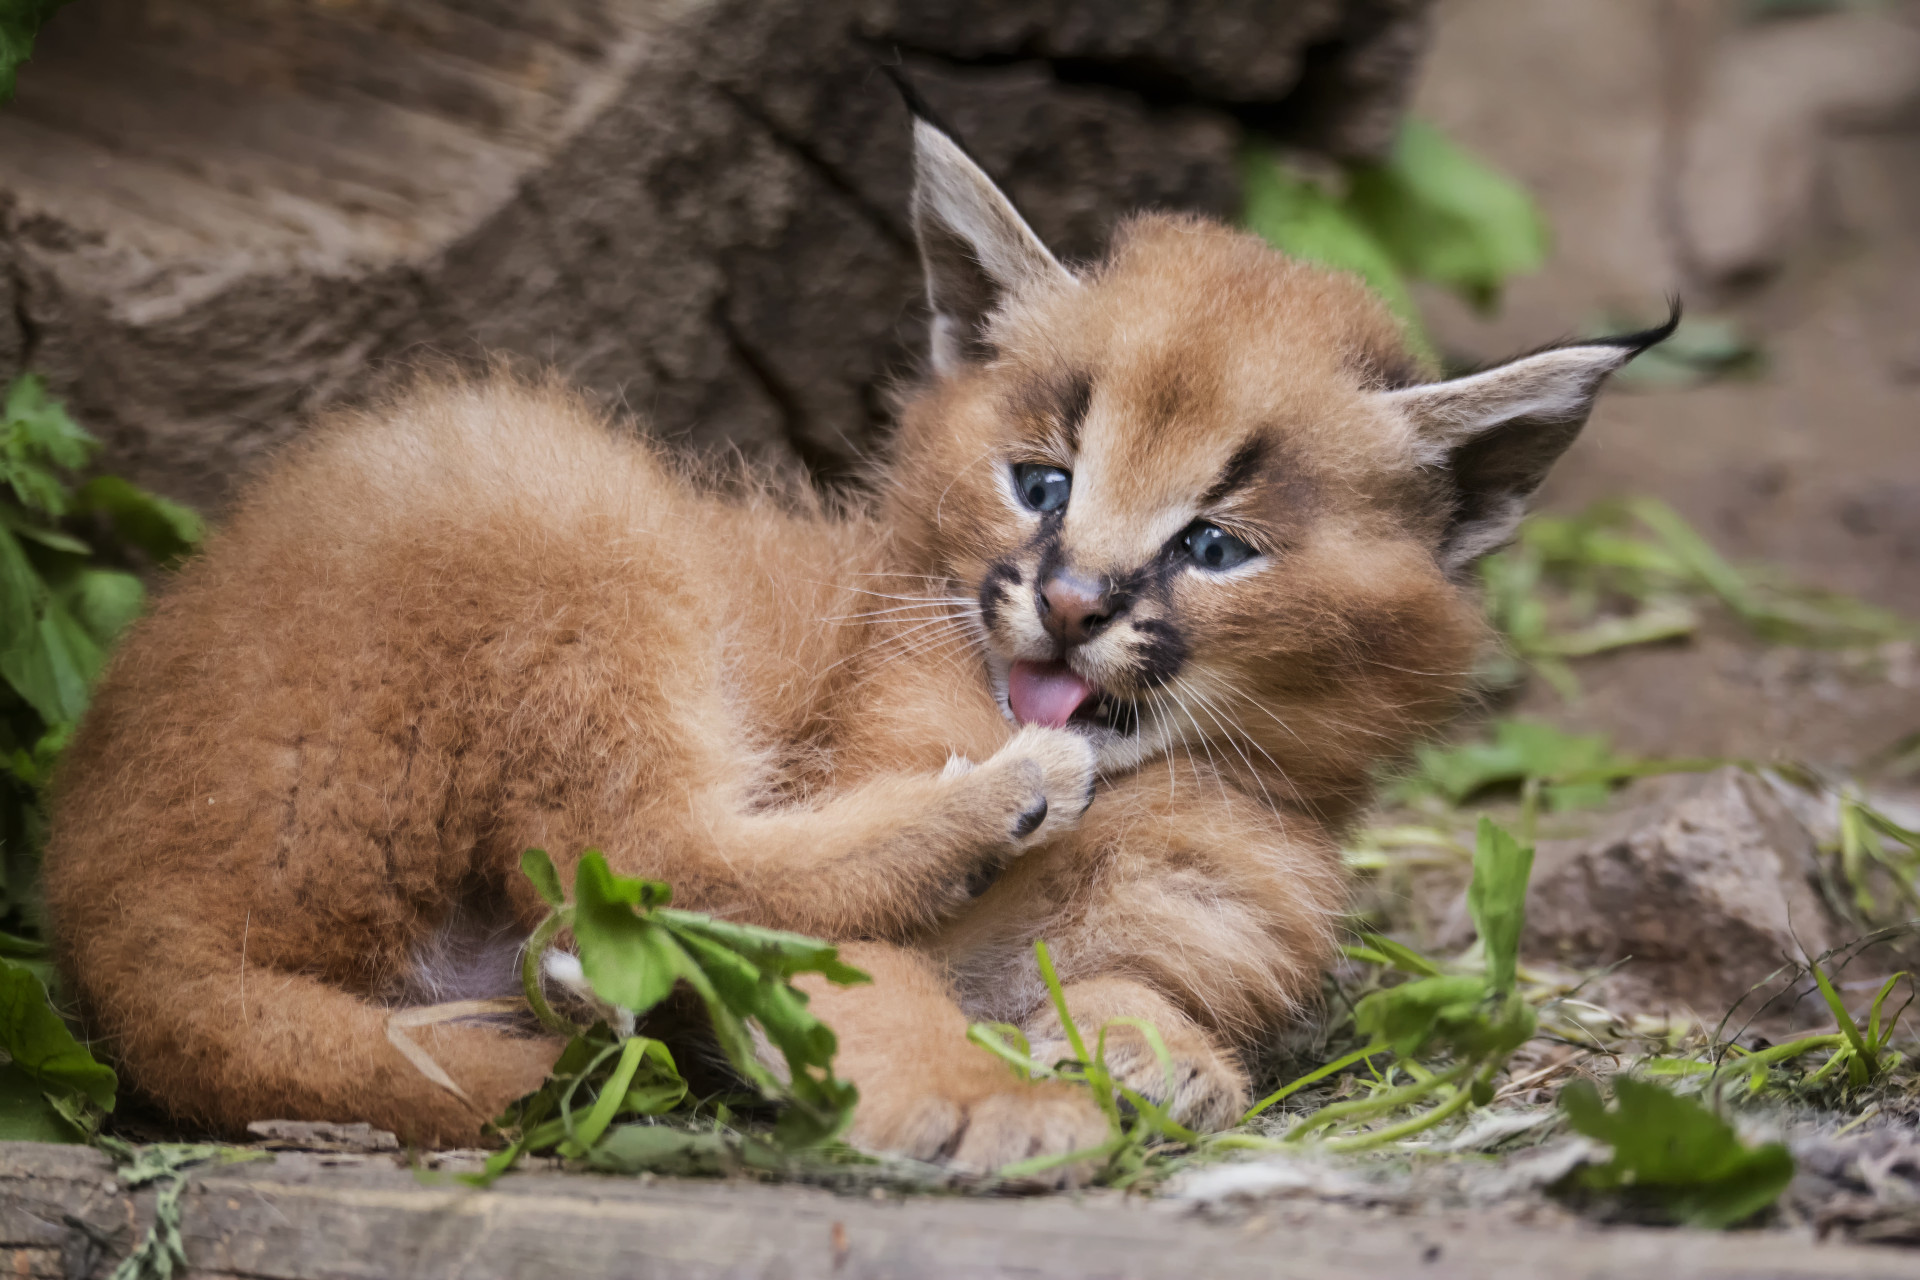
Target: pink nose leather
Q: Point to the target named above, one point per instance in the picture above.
(1072, 608)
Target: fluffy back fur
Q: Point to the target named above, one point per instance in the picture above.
(1165, 557)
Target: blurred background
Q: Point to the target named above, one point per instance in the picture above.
(219, 217)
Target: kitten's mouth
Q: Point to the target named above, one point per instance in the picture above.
(1055, 695)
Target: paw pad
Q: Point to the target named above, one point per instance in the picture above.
(1029, 821)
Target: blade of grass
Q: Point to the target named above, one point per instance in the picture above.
(1848, 1027)
(1400, 956)
(1096, 1071)
(612, 1094)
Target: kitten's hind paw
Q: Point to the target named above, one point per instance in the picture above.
(986, 1133)
(1206, 1089)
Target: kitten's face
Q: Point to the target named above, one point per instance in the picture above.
(1187, 521)
(1187, 501)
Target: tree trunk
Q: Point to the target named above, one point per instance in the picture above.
(217, 216)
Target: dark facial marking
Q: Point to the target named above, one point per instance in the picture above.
(1160, 659)
(1241, 469)
(993, 591)
(1059, 401)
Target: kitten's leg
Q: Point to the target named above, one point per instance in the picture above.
(291, 1046)
(1198, 909)
(883, 858)
(925, 1091)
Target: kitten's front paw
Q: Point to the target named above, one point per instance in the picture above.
(1043, 781)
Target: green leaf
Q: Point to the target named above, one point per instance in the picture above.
(39, 432)
(38, 1042)
(103, 601)
(52, 539)
(1497, 899)
(1521, 749)
(629, 959)
(633, 949)
(649, 1148)
(19, 21)
(161, 527)
(777, 952)
(1442, 215)
(1674, 1154)
(538, 867)
(1296, 216)
(53, 667)
(1406, 1017)
(27, 1114)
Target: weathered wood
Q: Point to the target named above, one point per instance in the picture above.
(219, 215)
(308, 1217)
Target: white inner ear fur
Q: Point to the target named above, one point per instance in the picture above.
(952, 194)
(1554, 386)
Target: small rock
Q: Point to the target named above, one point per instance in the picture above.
(1276, 1177)
(1867, 1186)
(1706, 891)
(321, 1135)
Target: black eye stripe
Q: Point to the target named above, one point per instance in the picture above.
(1241, 468)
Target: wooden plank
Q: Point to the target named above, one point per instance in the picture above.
(303, 1217)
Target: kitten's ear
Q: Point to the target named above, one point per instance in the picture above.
(1498, 433)
(974, 244)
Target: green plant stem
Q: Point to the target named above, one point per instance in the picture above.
(612, 1094)
(1096, 1070)
(1784, 1052)
(530, 974)
(1023, 1169)
(1363, 1108)
(1393, 1133)
(1312, 1077)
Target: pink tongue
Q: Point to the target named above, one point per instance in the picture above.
(1046, 693)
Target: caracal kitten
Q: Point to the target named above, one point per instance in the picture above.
(1167, 553)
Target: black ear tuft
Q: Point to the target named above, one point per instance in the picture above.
(917, 106)
(1645, 338)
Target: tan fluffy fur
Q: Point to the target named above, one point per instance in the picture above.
(481, 618)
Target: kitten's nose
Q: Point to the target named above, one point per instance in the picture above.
(1073, 608)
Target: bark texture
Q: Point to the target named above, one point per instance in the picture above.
(217, 216)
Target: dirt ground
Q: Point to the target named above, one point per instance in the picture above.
(1813, 465)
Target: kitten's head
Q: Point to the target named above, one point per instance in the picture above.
(1200, 496)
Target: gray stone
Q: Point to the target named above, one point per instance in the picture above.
(1703, 891)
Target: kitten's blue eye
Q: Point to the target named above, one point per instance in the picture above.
(1042, 487)
(1212, 547)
